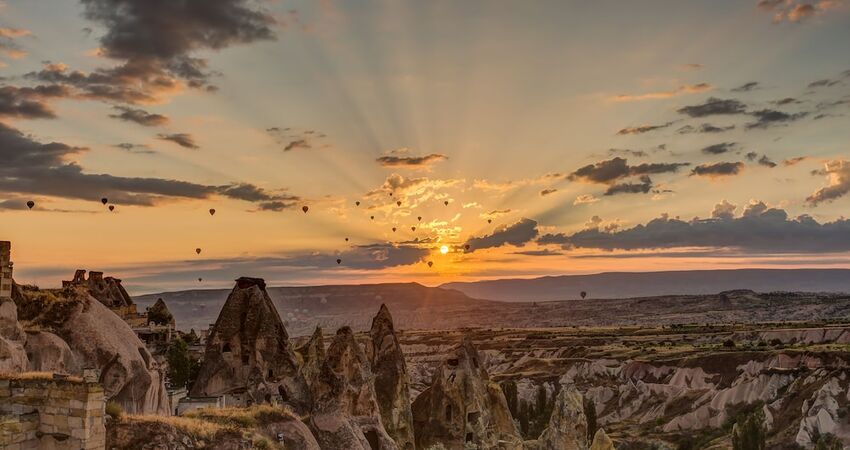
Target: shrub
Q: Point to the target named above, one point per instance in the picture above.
(729, 343)
(749, 433)
(114, 410)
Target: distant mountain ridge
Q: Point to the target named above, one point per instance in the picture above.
(649, 284)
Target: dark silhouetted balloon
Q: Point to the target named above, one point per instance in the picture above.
(583, 294)
(305, 208)
(112, 207)
(489, 220)
(430, 263)
(200, 279)
(446, 203)
(104, 200)
(398, 203)
(357, 203)
(30, 204)
(412, 228)
(419, 218)
(372, 217)
(393, 229)
(198, 251)
(339, 261)
(391, 194)
(466, 246)
(212, 211)
(346, 239)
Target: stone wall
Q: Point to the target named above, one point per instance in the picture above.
(38, 411)
(5, 269)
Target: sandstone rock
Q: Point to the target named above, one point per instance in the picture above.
(49, 353)
(312, 355)
(463, 407)
(601, 441)
(567, 429)
(293, 434)
(13, 357)
(248, 353)
(157, 435)
(159, 314)
(392, 384)
(345, 409)
(106, 290)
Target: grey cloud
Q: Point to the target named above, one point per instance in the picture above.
(546, 192)
(747, 87)
(182, 139)
(643, 128)
(139, 116)
(714, 106)
(410, 161)
(704, 128)
(517, 234)
(718, 149)
(770, 117)
(644, 186)
(838, 174)
(718, 169)
(29, 102)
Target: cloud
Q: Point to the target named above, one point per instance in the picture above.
(681, 90)
(8, 45)
(542, 252)
(517, 234)
(643, 129)
(704, 128)
(796, 11)
(794, 161)
(34, 168)
(718, 169)
(762, 160)
(609, 171)
(692, 66)
(297, 139)
(759, 229)
(719, 149)
(838, 182)
(747, 87)
(394, 160)
(29, 102)
(723, 210)
(139, 116)
(823, 83)
(182, 139)
(714, 106)
(770, 117)
(585, 199)
(135, 148)
(644, 186)
(627, 152)
(546, 192)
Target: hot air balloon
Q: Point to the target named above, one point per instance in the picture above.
(398, 203)
(30, 204)
(357, 203)
(419, 218)
(212, 211)
(430, 263)
(104, 200)
(583, 294)
(346, 239)
(446, 203)
(393, 229)
(391, 194)
(412, 228)
(305, 208)
(338, 261)
(372, 217)
(466, 246)
(112, 207)
(200, 279)
(489, 220)
(198, 251)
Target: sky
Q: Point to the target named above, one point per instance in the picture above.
(527, 138)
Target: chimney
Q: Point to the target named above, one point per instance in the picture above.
(5, 269)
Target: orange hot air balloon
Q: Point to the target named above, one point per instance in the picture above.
(30, 204)
(112, 207)
(198, 251)
(104, 200)
(398, 203)
(305, 208)
(339, 261)
(430, 263)
(212, 211)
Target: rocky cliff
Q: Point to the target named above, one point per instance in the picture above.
(108, 290)
(248, 355)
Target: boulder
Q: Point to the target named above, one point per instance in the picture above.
(601, 441)
(13, 357)
(463, 407)
(248, 353)
(392, 383)
(567, 429)
(49, 353)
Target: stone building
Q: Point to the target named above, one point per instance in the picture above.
(5, 269)
(51, 412)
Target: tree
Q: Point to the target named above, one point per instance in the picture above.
(180, 364)
(748, 433)
(590, 413)
(828, 442)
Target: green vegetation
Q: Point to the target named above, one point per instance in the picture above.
(114, 410)
(182, 369)
(749, 433)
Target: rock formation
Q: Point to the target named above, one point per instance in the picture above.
(248, 354)
(13, 357)
(567, 429)
(392, 383)
(345, 410)
(73, 331)
(312, 355)
(463, 407)
(106, 290)
(601, 441)
(159, 314)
